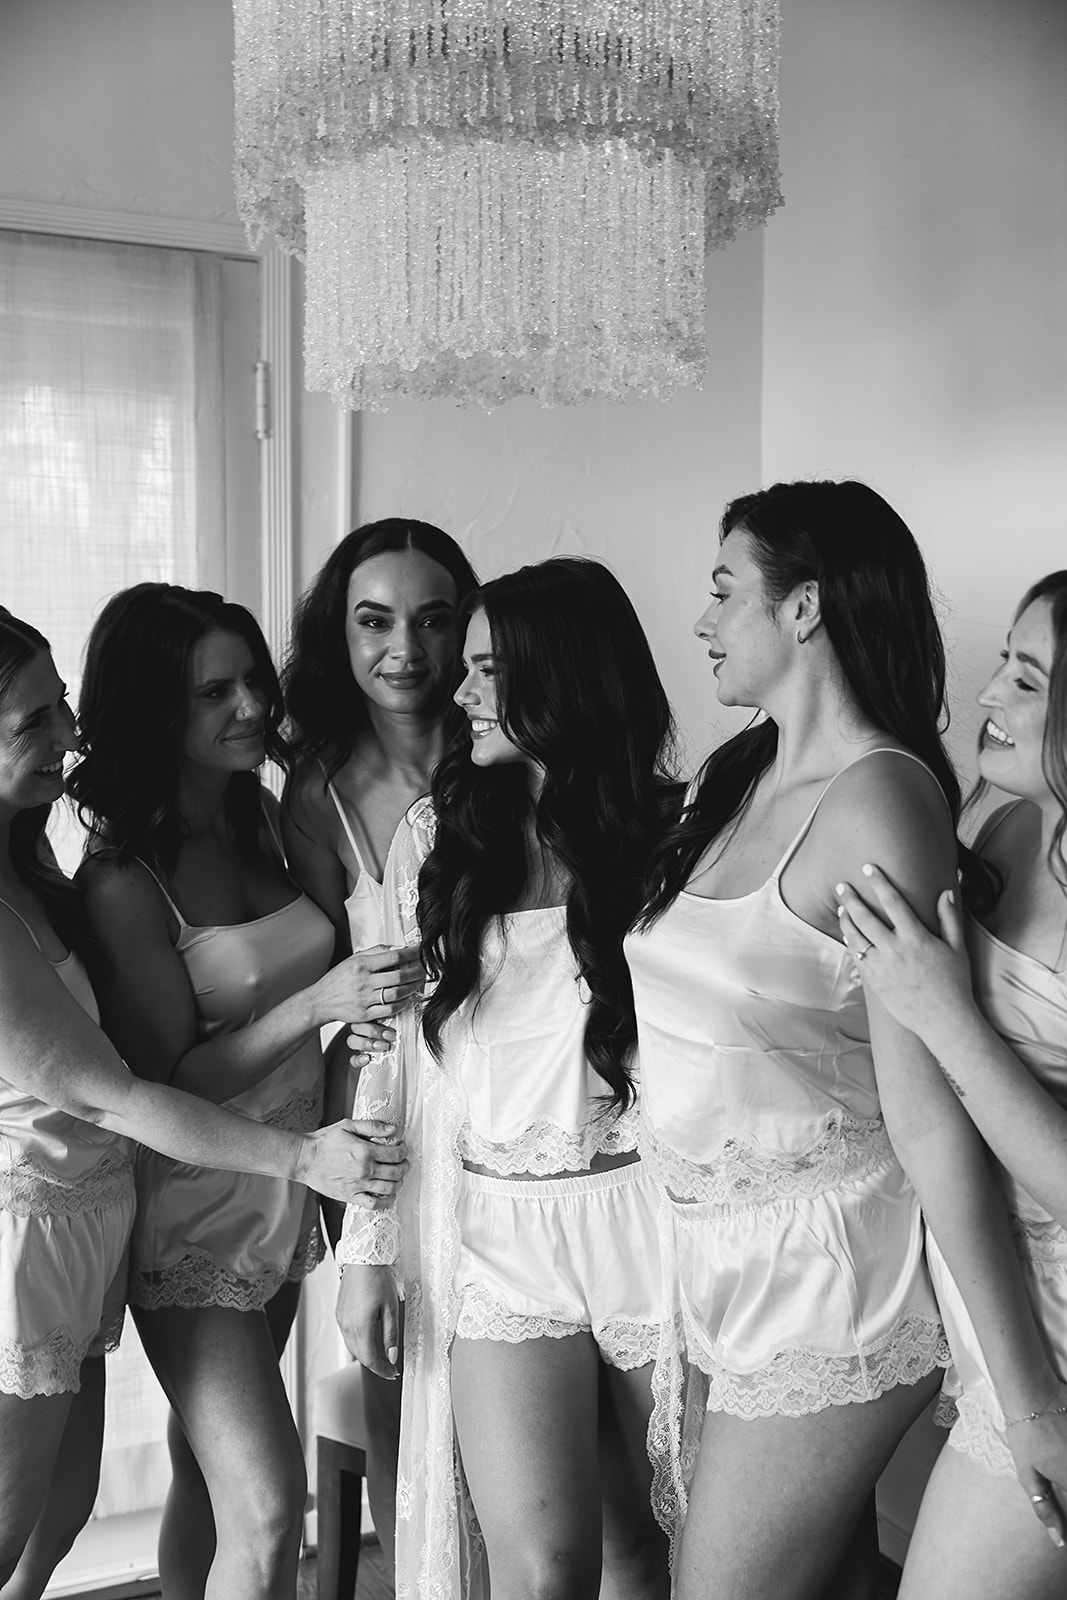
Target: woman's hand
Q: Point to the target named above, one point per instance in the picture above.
(917, 976)
(369, 985)
(368, 1317)
(358, 1162)
(1039, 1448)
(368, 1039)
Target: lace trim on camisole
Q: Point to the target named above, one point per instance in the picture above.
(300, 1112)
(746, 1175)
(545, 1147)
(29, 1190)
(197, 1280)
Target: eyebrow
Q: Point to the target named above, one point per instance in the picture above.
(1031, 661)
(429, 605)
(35, 711)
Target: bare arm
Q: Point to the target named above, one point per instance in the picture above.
(925, 979)
(936, 1142)
(147, 1006)
(50, 1048)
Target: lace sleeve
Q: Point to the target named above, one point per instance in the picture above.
(387, 1087)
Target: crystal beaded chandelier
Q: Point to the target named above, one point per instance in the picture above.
(504, 197)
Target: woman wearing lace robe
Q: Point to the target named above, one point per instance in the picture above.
(368, 690)
(787, 1113)
(213, 972)
(525, 1242)
(998, 1029)
(68, 1111)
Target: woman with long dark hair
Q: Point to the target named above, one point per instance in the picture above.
(783, 1110)
(997, 1026)
(68, 1109)
(213, 973)
(525, 1242)
(368, 689)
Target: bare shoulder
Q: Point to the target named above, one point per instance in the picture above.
(122, 895)
(890, 809)
(305, 799)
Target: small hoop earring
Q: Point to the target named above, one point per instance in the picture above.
(801, 638)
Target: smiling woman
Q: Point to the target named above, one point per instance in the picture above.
(213, 973)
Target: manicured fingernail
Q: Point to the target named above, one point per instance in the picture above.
(1056, 1536)
(839, 888)
(951, 898)
(840, 911)
(867, 869)
(391, 1355)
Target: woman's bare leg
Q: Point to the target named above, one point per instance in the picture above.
(775, 1501)
(49, 1471)
(187, 1530)
(219, 1370)
(976, 1538)
(526, 1421)
(635, 1546)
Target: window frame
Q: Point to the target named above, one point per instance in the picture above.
(276, 435)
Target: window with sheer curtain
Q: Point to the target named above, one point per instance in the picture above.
(112, 461)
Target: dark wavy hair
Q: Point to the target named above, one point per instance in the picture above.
(875, 604)
(1052, 588)
(326, 708)
(30, 855)
(133, 711)
(577, 690)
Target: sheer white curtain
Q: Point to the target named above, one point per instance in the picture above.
(111, 473)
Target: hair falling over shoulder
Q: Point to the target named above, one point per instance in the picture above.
(876, 606)
(578, 691)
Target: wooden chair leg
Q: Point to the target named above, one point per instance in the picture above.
(341, 1469)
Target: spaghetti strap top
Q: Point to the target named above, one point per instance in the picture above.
(51, 1162)
(751, 1022)
(240, 971)
(69, 970)
(363, 908)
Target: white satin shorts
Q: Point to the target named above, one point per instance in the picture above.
(551, 1257)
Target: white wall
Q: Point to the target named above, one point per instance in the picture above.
(915, 319)
(915, 314)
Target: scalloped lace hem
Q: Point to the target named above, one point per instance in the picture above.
(623, 1342)
(545, 1146)
(108, 1336)
(51, 1367)
(975, 1434)
(745, 1175)
(800, 1381)
(196, 1281)
(1039, 1240)
(29, 1190)
(299, 1112)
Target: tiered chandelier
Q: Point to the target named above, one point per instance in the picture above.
(505, 197)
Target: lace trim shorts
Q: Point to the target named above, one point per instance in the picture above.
(817, 1300)
(210, 1238)
(968, 1403)
(62, 1294)
(553, 1257)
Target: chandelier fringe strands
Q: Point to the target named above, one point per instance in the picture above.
(507, 198)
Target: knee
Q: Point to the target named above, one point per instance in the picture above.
(638, 1560)
(271, 1517)
(552, 1573)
